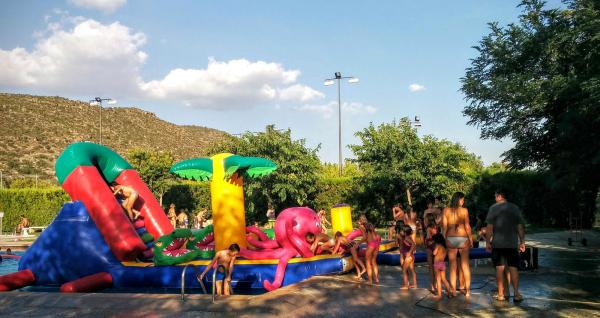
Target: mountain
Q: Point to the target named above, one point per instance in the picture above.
(35, 129)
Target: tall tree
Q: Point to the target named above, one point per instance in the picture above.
(538, 82)
(294, 183)
(153, 166)
(397, 164)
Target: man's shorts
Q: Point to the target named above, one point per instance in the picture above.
(505, 257)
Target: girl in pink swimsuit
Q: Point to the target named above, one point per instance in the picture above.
(407, 251)
(439, 265)
(373, 242)
(432, 229)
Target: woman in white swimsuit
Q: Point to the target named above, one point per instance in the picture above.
(457, 231)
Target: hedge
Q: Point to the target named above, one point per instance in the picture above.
(39, 205)
(189, 195)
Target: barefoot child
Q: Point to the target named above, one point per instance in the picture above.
(226, 258)
(440, 266)
(342, 244)
(430, 231)
(373, 242)
(407, 251)
(129, 196)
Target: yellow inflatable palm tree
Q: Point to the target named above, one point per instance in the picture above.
(226, 172)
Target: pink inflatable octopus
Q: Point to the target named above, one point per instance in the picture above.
(291, 226)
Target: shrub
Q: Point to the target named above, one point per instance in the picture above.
(39, 205)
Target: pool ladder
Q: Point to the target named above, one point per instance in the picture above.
(214, 281)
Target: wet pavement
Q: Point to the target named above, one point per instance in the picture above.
(567, 284)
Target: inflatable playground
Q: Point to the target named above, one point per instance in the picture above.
(92, 244)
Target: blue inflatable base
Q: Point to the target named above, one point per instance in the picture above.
(72, 247)
(421, 257)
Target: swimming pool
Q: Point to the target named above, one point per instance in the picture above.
(9, 265)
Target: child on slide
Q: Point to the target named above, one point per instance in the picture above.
(227, 259)
(343, 244)
(129, 196)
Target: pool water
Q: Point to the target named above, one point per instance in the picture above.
(9, 265)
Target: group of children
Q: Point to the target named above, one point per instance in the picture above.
(321, 243)
(406, 225)
(434, 242)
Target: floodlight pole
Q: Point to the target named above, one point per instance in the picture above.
(98, 101)
(351, 79)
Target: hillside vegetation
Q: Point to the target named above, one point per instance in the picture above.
(35, 129)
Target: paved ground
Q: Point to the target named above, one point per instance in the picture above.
(566, 285)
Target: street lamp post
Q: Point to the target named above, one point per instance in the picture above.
(330, 81)
(98, 102)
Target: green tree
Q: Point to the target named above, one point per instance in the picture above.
(397, 164)
(538, 82)
(294, 183)
(153, 166)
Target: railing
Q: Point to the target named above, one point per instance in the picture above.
(183, 281)
(214, 281)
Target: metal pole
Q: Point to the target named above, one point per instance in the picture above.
(100, 103)
(1, 181)
(340, 123)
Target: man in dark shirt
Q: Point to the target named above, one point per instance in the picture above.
(505, 237)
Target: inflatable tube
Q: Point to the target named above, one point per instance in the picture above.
(9, 256)
(421, 257)
(354, 234)
(341, 219)
(87, 284)
(227, 199)
(16, 280)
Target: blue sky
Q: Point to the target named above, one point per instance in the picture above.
(240, 65)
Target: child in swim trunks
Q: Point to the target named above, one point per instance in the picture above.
(342, 244)
(439, 265)
(226, 258)
(129, 196)
(407, 251)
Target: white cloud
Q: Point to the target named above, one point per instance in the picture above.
(78, 56)
(416, 87)
(107, 6)
(329, 109)
(300, 92)
(231, 84)
(89, 58)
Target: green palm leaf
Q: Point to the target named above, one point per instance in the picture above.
(252, 167)
(200, 169)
